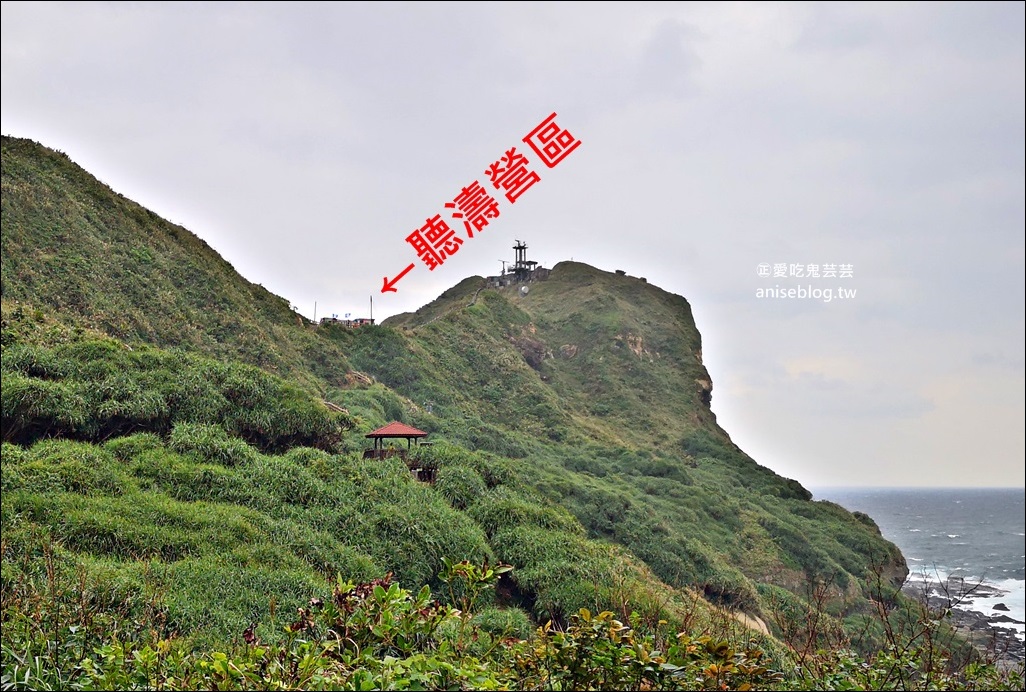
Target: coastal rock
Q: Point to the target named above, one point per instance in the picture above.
(1004, 618)
(990, 635)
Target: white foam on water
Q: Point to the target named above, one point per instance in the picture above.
(1010, 592)
(1013, 596)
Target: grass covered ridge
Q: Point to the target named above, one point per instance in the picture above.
(72, 245)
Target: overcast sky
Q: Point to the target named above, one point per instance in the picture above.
(305, 142)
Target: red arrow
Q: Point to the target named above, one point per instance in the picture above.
(390, 285)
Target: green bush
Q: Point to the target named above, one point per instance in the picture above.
(563, 571)
(63, 465)
(128, 447)
(98, 389)
(503, 622)
(500, 509)
(33, 408)
(460, 485)
(210, 443)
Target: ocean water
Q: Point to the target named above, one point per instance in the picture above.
(972, 533)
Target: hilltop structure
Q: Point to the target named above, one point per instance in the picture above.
(350, 323)
(520, 271)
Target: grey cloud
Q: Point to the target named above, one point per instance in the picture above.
(668, 60)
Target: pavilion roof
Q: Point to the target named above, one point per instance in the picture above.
(397, 430)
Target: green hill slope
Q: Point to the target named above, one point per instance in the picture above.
(152, 444)
(594, 382)
(74, 246)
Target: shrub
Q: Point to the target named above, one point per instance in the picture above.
(500, 509)
(34, 408)
(130, 446)
(63, 465)
(98, 389)
(210, 443)
(460, 485)
(504, 622)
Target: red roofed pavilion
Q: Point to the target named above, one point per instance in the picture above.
(392, 431)
(421, 471)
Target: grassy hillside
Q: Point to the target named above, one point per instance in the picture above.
(173, 479)
(594, 382)
(228, 494)
(73, 246)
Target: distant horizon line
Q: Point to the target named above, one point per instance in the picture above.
(815, 488)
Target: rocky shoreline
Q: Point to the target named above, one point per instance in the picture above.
(997, 643)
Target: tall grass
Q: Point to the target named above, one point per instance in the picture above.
(97, 390)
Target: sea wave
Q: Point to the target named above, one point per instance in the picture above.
(993, 598)
(1009, 600)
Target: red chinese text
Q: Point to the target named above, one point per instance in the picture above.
(512, 175)
(434, 241)
(550, 143)
(476, 207)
